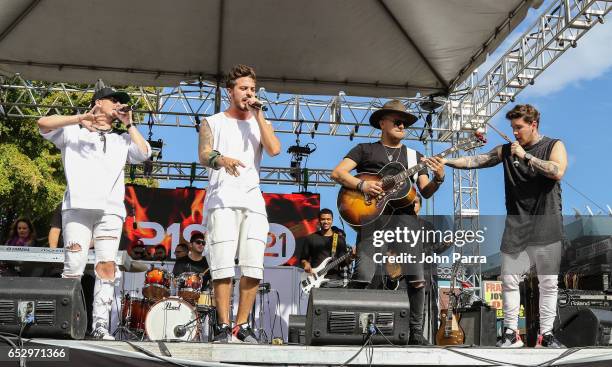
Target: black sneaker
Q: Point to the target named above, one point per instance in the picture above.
(510, 339)
(417, 338)
(245, 334)
(223, 333)
(548, 340)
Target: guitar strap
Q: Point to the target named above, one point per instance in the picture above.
(334, 244)
(411, 157)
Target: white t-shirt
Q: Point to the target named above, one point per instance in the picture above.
(95, 179)
(238, 139)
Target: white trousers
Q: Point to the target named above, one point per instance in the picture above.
(546, 259)
(81, 228)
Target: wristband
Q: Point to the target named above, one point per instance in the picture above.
(127, 127)
(360, 186)
(212, 156)
(214, 162)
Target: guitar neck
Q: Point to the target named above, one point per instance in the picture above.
(404, 175)
(335, 263)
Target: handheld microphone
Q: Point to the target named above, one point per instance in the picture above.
(259, 106)
(515, 161)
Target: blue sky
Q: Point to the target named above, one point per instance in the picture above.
(574, 97)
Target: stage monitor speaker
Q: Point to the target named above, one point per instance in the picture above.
(297, 329)
(344, 316)
(580, 326)
(50, 307)
(479, 325)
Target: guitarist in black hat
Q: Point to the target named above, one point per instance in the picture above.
(392, 119)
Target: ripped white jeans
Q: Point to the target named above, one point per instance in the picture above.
(81, 228)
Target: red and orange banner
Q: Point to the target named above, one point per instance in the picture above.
(169, 216)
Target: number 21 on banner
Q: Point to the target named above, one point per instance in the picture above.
(280, 246)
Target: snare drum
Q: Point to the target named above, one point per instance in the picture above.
(172, 319)
(134, 312)
(188, 286)
(157, 284)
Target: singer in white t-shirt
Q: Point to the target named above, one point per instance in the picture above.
(94, 156)
(231, 144)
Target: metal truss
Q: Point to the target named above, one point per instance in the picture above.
(192, 172)
(472, 104)
(186, 104)
(466, 212)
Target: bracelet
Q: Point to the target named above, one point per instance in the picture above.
(212, 156)
(360, 186)
(214, 162)
(127, 127)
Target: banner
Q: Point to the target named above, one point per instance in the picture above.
(168, 217)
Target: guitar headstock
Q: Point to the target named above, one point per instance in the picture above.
(476, 141)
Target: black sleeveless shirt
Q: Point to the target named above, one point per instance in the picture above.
(533, 201)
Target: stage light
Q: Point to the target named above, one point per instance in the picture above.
(156, 149)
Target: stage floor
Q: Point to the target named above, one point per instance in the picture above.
(195, 354)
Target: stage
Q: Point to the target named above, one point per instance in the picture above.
(107, 353)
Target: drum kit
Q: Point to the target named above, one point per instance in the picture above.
(160, 315)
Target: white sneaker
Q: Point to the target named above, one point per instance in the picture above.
(101, 333)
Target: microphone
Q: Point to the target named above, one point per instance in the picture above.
(259, 106)
(126, 109)
(515, 161)
(180, 330)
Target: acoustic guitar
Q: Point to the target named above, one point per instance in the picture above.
(359, 209)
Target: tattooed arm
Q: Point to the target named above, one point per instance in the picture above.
(554, 167)
(490, 159)
(205, 143)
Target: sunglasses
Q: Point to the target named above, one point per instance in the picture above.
(399, 122)
(199, 242)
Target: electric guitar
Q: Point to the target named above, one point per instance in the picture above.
(359, 209)
(450, 332)
(317, 276)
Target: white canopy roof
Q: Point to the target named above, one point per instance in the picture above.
(363, 47)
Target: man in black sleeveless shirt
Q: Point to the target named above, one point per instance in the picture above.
(393, 120)
(533, 168)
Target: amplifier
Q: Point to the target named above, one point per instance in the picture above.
(579, 326)
(344, 316)
(479, 325)
(49, 307)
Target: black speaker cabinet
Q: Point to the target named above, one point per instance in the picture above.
(343, 316)
(479, 326)
(55, 307)
(582, 326)
(297, 329)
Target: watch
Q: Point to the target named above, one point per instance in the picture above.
(528, 157)
(439, 180)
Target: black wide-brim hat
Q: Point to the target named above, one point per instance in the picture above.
(108, 92)
(389, 107)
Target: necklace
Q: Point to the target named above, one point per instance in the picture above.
(391, 156)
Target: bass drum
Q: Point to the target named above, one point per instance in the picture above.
(172, 319)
